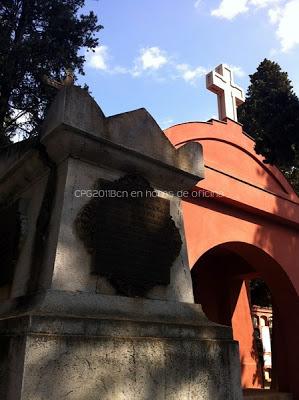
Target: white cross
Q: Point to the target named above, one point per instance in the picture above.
(230, 96)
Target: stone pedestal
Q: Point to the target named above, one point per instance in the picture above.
(78, 325)
(83, 346)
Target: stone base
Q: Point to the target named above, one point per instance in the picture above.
(260, 394)
(66, 357)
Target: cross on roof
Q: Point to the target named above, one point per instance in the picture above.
(230, 96)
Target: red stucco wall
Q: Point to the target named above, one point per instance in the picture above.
(252, 211)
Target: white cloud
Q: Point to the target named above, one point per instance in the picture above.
(189, 74)
(238, 71)
(197, 3)
(264, 3)
(119, 70)
(99, 58)
(282, 13)
(229, 9)
(288, 26)
(150, 58)
(275, 14)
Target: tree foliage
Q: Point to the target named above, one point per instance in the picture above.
(270, 116)
(38, 37)
(260, 294)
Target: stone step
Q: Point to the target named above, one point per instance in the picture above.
(261, 394)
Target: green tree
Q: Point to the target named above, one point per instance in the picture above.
(38, 37)
(260, 294)
(270, 116)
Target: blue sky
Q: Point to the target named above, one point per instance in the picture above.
(155, 53)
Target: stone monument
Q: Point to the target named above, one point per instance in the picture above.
(95, 288)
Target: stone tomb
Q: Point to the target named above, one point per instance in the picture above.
(96, 293)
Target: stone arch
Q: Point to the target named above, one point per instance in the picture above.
(218, 280)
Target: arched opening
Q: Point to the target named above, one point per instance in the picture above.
(221, 281)
(260, 301)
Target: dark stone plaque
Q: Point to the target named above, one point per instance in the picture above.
(11, 231)
(130, 234)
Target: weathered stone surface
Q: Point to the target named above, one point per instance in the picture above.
(131, 142)
(138, 131)
(121, 360)
(74, 108)
(88, 346)
(67, 333)
(11, 155)
(260, 394)
(12, 354)
(128, 368)
(93, 305)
